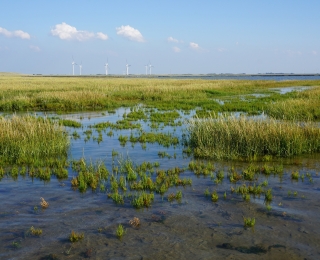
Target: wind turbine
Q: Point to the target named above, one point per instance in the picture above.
(106, 67)
(80, 67)
(127, 65)
(150, 66)
(73, 63)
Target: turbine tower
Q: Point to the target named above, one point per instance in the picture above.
(73, 63)
(80, 67)
(106, 66)
(150, 66)
(127, 65)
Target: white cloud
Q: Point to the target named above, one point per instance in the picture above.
(102, 36)
(176, 49)
(171, 39)
(131, 33)
(194, 46)
(18, 34)
(34, 48)
(314, 52)
(67, 32)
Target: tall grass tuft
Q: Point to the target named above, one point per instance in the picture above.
(27, 140)
(230, 137)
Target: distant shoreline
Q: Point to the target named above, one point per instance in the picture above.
(182, 75)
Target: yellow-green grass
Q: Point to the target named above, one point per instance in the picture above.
(306, 106)
(229, 137)
(27, 140)
(19, 93)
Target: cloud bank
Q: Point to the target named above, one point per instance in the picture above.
(18, 34)
(130, 33)
(67, 32)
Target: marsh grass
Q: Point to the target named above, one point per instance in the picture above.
(230, 137)
(27, 140)
(22, 93)
(303, 106)
(90, 174)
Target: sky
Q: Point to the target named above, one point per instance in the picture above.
(167, 36)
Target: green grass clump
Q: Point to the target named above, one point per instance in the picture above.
(249, 222)
(89, 175)
(70, 123)
(214, 196)
(295, 176)
(229, 137)
(27, 140)
(75, 237)
(120, 231)
(116, 197)
(143, 200)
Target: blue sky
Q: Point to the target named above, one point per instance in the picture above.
(204, 36)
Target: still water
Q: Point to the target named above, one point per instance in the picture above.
(195, 228)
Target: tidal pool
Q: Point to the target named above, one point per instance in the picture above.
(193, 228)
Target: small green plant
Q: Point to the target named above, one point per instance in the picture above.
(295, 176)
(35, 231)
(268, 196)
(143, 200)
(249, 222)
(207, 192)
(225, 195)
(75, 237)
(246, 197)
(116, 197)
(178, 196)
(214, 196)
(120, 231)
(268, 207)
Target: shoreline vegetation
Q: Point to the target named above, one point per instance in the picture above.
(281, 134)
(230, 137)
(66, 94)
(30, 141)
